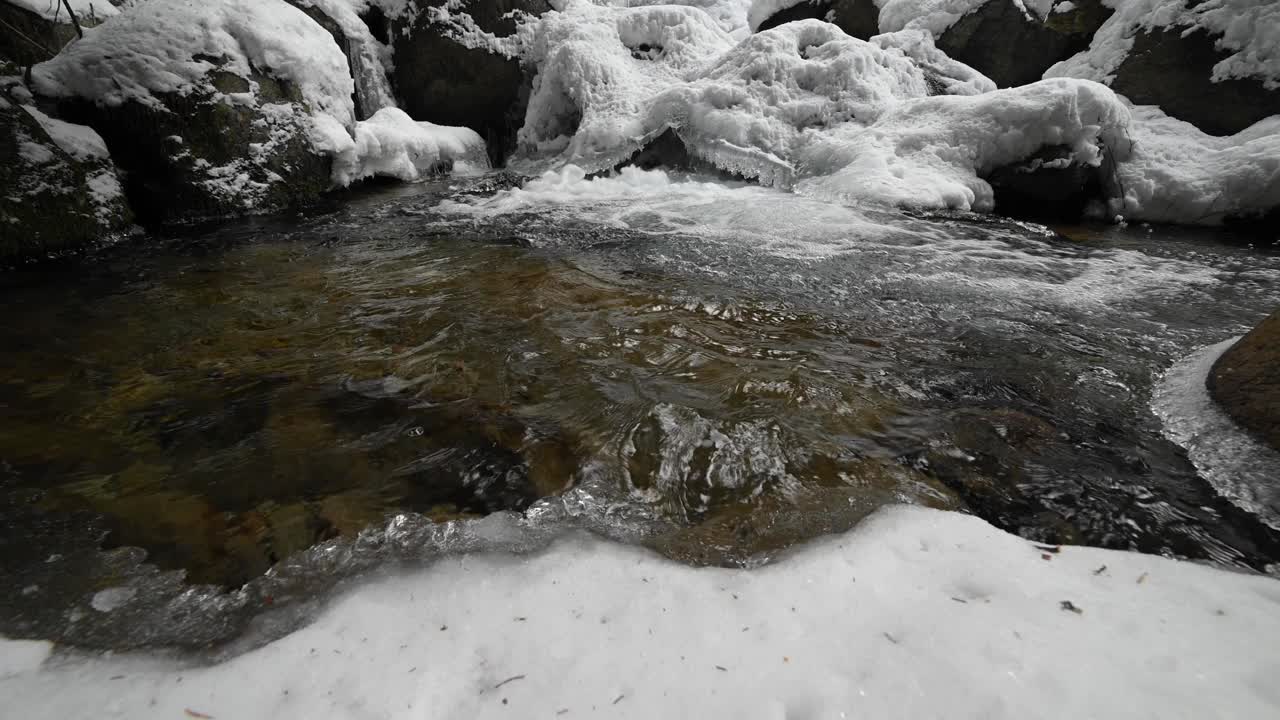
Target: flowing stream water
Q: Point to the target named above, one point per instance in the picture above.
(201, 432)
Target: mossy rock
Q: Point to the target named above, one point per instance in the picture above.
(28, 38)
(1245, 381)
(442, 81)
(198, 156)
(1175, 70)
(50, 201)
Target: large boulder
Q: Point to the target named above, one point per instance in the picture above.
(212, 110)
(857, 18)
(1027, 44)
(441, 79)
(35, 30)
(59, 190)
(1210, 64)
(1173, 68)
(1246, 381)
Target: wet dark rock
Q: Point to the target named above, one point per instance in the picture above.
(857, 18)
(52, 202)
(440, 80)
(28, 38)
(1174, 71)
(669, 152)
(1245, 381)
(1047, 186)
(199, 158)
(1027, 45)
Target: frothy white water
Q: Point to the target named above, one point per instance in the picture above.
(1242, 469)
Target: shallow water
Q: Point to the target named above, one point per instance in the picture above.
(715, 371)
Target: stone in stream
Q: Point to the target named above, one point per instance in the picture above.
(1049, 185)
(441, 80)
(1245, 381)
(60, 189)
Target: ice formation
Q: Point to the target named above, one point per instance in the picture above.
(891, 121)
(392, 144)
(915, 613)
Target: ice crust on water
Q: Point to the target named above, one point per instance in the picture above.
(1240, 467)
(1249, 31)
(953, 619)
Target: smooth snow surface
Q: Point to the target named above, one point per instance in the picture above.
(916, 613)
(1239, 467)
(54, 10)
(1249, 30)
(79, 141)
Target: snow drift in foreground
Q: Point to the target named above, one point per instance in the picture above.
(890, 121)
(915, 613)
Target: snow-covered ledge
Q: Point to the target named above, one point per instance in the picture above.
(916, 613)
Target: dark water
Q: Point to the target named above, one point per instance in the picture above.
(719, 376)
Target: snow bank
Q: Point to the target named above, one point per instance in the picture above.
(166, 46)
(54, 10)
(1176, 173)
(391, 144)
(1249, 29)
(915, 613)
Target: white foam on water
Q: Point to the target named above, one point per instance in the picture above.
(1241, 468)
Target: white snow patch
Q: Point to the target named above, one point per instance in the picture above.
(915, 613)
(79, 141)
(1240, 468)
(35, 153)
(1249, 30)
(22, 656)
(112, 598)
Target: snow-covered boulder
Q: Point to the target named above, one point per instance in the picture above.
(455, 64)
(58, 187)
(35, 30)
(210, 106)
(1246, 380)
(1213, 64)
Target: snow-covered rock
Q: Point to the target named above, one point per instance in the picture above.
(391, 144)
(208, 104)
(1213, 64)
(455, 64)
(59, 190)
(915, 613)
(366, 55)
